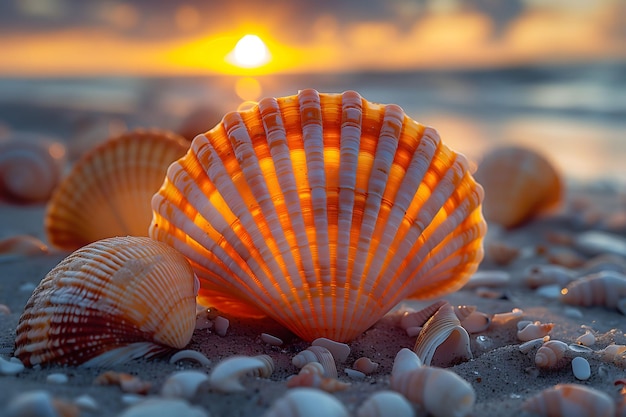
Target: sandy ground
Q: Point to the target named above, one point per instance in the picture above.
(501, 375)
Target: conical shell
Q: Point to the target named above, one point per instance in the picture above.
(108, 191)
(519, 184)
(131, 293)
(322, 211)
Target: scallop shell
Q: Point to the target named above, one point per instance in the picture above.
(606, 288)
(571, 400)
(108, 191)
(440, 392)
(443, 340)
(109, 302)
(30, 168)
(322, 211)
(519, 184)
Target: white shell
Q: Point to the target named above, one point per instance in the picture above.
(594, 243)
(551, 354)
(163, 407)
(225, 376)
(307, 402)
(385, 403)
(606, 288)
(581, 368)
(570, 400)
(271, 340)
(57, 378)
(37, 404)
(405, 361)
(10, 367)
(188, 354)
(440, 392)
(340, 351)
(183, 384)
(533, 344)
(319, 354)
(541, 275)
(587, 339)
(534, 330)
(443, 340)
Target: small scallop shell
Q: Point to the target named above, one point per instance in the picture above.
(439, 391)
(322, 211)
(551, 355)
(30, 168)
(519, 184)
(365, 365)
(225, 376)
(605, 288)
(571, 400)
(534, 331)
(307, 402)
(318, 354)
(385, 403)
(108, 191)
(107, 303)
(443, 340)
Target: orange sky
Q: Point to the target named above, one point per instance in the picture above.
(445, 36)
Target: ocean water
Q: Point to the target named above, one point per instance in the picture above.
(576, 115)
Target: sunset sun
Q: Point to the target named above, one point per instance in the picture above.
(249, 52)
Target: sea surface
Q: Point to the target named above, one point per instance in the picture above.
(576, 115)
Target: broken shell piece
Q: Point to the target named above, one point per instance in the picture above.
(501, 319)
(193, 355)
(606, 288)
(551, 355)
(595, 243)
(476, 322)
(307, 402)
(24, 245)
(183, 384)
(533, 344)
(314, 379)
(581, 368)
(127, 382)
(443, 340)
(340, 351)
(570, 400)
(221, 325)
(587, 339)
(271, 340)
(405, 361)
(318, 354)
(225, 376)
(439, 391)
(534, 331)
(365, 365)
(419, 318)
(385, 403)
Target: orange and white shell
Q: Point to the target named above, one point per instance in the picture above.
(571, 400)
(322, 211)
(109, 302)
(519, 183)
(30, 168)
(108, 191)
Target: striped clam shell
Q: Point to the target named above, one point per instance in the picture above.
(108, 302)
(108, 191)
(322, 211)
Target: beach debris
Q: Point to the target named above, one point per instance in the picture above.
(271, 340)
(606, 288)
(57, 378)
(587, 339)
(501, 253)
(405, 361)
(354, 374)
(541, 275)
(488, 279)
(190, 355)
(385, 403)
(519, 184)
(5, 309)
(594, 242)
(221, 325)
(365, 365)
(533, 330)
(614, 353)
(22, 245)
(225, 376)
(581, 368)
(30, 168)
(128, 383)
(476, 322)
(439, 391)
(317, 354)
(501, 319)
(266, 370)
(313, 375)
(87, 403)
(307, 402)
(98, 304)
(39, 404)
(12, 366)
(164, 407)
(340, 351)
(533, 344)
(183, 384)
(313, 283)
(108, 191)
(551, 355)
(571, 400)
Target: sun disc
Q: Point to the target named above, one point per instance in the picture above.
(250, 52)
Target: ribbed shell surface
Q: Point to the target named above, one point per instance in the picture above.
(108, 191)
(322, 211)
(108, 295)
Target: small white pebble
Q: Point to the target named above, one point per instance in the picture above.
(549, 291)
(581, 368)
(87, 403)
(221, 325)
(573, 312)
(57, 378)
(10, 367)
(130, 399)
(271, 340)
(354, 374)
(4, 309)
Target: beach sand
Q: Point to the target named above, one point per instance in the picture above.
(502, 377)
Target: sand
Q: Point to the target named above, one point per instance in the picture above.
(500, 374)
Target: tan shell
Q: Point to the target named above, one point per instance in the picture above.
(108, 302)
(108, 191)
(551, 355)
(519, 183)
(606, 288)
(571, 400)
(322, 211)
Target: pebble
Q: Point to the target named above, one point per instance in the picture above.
(581, 368)
(271, 340)
(12, 366)
(221, 325)
(57, 378)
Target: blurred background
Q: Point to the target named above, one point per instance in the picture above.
(547, 74)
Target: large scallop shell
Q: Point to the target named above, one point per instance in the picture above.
(519, 184)
(322, 211)
(108, 302)
(108, 191)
